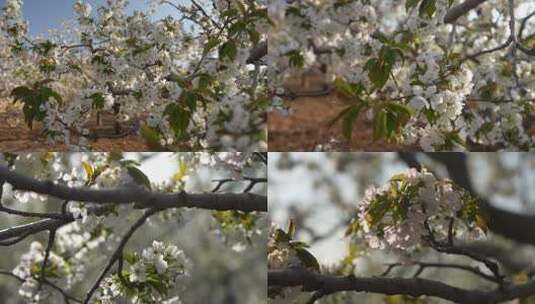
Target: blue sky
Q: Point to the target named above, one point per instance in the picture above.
(45, 14)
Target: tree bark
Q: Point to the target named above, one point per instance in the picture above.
(328, 284)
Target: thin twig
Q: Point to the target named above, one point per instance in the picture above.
(119, 250)
(51, 238)
(33, 214)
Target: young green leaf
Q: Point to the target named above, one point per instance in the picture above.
(349, 120)
(139, 177)
(291, 229)
(427, 8)
(379, 129)
(181, 172)
(89, 171)
(307, 259)
(151, 136)
(228, 50)
(178, 118)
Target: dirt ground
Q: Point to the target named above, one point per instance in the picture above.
(15, 136)
(307, 124)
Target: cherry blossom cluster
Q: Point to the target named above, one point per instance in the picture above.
(67, 263)
(415, 208)
(29, 270)
(149, 276)
(189, 82)
(403, 53)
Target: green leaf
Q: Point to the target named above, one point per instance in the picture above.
(488, 91)
(391, 124)
(98, 101)
(295, 59)
(139, 177)
(349, 90)
(254, 35)
(377, 210)
(212, 43)
(228, 50)
(427, 8)
(20, 93)
(379, 68)
(281, 236)
(307, 259)
(401, 112)
(431, 115)
(131, 258)
(181, 172)
(237, 27)
(398, 178)
(151, 136)
(343, 87)
(388, 55)
(379, 129)
(32, 100)
(381, 37)
(178, 119)
(353, 227)
(349, 120)
(45, 92)
(453, 138)
(191, 100)
(291, 229)
(158, 284)
(390, 119)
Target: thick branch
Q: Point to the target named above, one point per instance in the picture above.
(22, 231)
(258, 52)
(456, 12)
(395, 286)
(246, 202)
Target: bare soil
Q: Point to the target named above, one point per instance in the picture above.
(15, 136)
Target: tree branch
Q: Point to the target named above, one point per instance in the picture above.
(22, 231)
(257, 52)
(395, 286)
(423, 265)
(456, 12)
(246, 202)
